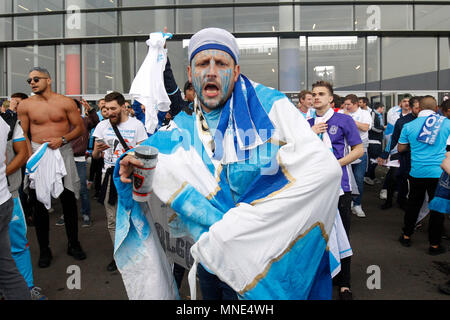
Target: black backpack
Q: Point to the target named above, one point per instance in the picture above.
(11, 119)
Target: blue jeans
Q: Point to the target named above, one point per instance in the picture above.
(84, 192)
(359, 170)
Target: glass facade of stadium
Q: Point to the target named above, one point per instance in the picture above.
(380, 49)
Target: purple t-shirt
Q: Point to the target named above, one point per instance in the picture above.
(343, 132)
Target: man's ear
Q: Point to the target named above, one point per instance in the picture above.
(189, 71)
(237, 72)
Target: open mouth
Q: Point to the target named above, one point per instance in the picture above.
(211, 90)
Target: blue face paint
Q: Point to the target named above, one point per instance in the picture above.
(215, 67)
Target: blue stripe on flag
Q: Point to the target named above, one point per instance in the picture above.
(303, 272)
(33, 162)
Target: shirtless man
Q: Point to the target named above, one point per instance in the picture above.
(48, 117)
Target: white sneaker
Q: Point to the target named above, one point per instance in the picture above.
(369, 181)
(36, 294)
(358, 211)
(383, 194)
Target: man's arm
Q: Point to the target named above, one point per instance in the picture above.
(396, 134)
(98, 149)
(21, 157)
(173, 91)
(362, 126)
(403, 147)
(356, 153)
(446, 163)
(403, 141)
(75, 120)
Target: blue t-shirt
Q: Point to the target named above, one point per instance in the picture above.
(343, 132)
(212, 119)
(426, 159)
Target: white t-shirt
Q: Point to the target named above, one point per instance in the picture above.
(4, 192)
(18, 133)
(363, 116)
(132, 131)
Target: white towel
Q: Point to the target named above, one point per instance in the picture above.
(148, 85)
(45, 170)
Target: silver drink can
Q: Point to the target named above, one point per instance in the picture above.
(143, 176)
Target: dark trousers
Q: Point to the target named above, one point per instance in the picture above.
(373, 153)
(212, 287)
(344, 206)
(402, 187)
(12, 283)
(42, 221)
(391, 183)
(178, 274)
(95, 174)
(371, 170)
(418, 187)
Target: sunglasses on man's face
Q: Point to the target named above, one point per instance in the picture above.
(35, 79)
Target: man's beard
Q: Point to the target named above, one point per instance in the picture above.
(218, 105)
(117, 119)
(39, 92)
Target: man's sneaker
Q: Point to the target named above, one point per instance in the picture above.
(45, 258)
(60, 221)
(405, 242)
(359, 211)
(111, 266)
(369, 181)
(435, 251)
(383, 194)
(86, 221)
(445, 287)
(386, 205)
(36, 294)
(76, 252)
(345, 295)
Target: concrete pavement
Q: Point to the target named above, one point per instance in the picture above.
(404, 273)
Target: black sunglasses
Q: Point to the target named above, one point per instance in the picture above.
(35, 79)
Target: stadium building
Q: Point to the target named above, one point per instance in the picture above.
(380, 49)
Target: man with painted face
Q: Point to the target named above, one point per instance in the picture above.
(246, 176)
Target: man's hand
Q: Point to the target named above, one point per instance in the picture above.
(54, 143)
(100, 146)
(87, 106)
(381, 161)
(319, 128)
(127, 165)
